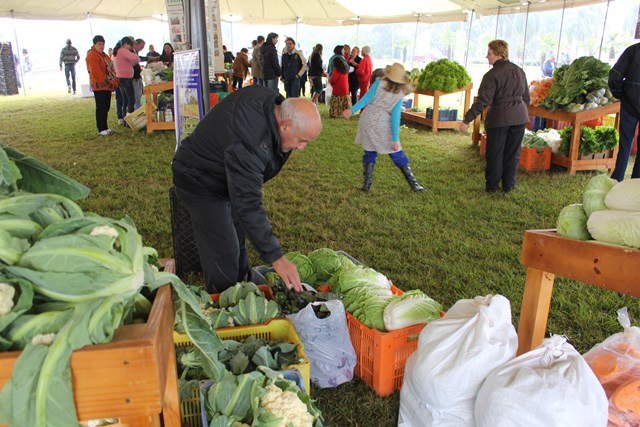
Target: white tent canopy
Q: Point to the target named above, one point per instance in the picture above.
(282, 12)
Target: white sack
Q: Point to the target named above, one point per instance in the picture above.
(549, 386)
(454, 356)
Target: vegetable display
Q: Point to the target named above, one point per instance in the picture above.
(613, 219)
(601, 139)
(532, 140)
(580, 86)
(411, 308)
(539, 90)
(69, 279)
(291, 302)
(443, 75)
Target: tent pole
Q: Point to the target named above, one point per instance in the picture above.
(297, 19)
(231, 22)
(466, 53)
(497, 21)
(415, 40)
(524, 43)
(358, 31)
(564, 6)
(604, 27)
(15, 34)
(90, 26)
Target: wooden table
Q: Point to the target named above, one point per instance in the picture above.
(572, 162)
(151, 93)
(133, 378)
(434, 123)
(547, 254)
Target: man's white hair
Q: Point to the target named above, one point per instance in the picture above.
(366, 50)
(299, 121)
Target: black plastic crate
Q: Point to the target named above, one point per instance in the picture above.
(185, 250)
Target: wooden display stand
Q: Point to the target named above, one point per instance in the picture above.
(547, 254)
(434, 123)
(133, 378)
(572, 162)
(151, 93)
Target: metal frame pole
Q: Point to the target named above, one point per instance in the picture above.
(497, 21)
(564, 6)
(604, 26)
(524, 43)
(466, 53)
(415, 40)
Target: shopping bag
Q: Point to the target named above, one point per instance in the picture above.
(328, 90)
(616, 364)
(326, 343)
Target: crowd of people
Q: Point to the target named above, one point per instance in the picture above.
(117, 70)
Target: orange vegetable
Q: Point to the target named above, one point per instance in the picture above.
(627, 399)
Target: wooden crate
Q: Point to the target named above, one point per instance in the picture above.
(530, 160)
(133, 377)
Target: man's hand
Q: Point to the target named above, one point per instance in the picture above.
(463, 127)
(346, 113)
(289, 273)
(61, 68)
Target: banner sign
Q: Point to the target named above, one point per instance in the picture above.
(187, 93)
(214, 35)
(177, 29)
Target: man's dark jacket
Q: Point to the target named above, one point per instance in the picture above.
(505, 90)
(624, 79)
(232, 152)
(269, 61)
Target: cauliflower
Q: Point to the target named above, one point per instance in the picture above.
(44, 339)
(287, 406)
(7, 292)
(104, 230)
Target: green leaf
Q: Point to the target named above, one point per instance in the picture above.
(205, 340)
(239, 363)
(38, 177)
(263, 357)
(9, 173)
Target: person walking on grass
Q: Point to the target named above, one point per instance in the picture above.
(240, 68)
(504, 88)
(293, 67)
(379, 125)
(624, 82)
(339, 80)
(103, 81)
(269, 66)
(219, 171)
(126, 58)
(316, 72)
(256, 70)
(69, 56)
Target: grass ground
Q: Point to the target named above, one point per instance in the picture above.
(452, 240)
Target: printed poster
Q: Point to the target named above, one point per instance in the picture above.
(214, 36)
(177, 28)
(187, 93)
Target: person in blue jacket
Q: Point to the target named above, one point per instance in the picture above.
(379, 126)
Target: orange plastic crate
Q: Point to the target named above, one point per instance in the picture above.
(530, 160)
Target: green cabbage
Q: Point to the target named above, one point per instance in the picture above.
(361, 277)
(412, 308)
(624, 196)
(595, 193)
(304, 266)
(616, 227)
(572, 222)
(325, 263)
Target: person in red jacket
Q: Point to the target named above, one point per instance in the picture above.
(340, 99)
(364, 70)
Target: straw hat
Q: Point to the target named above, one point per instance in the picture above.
(396, 74)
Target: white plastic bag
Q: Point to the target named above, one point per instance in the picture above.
(616, 364)
(328, 91)
(454, 356)
(549, 386)
(326, 344)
